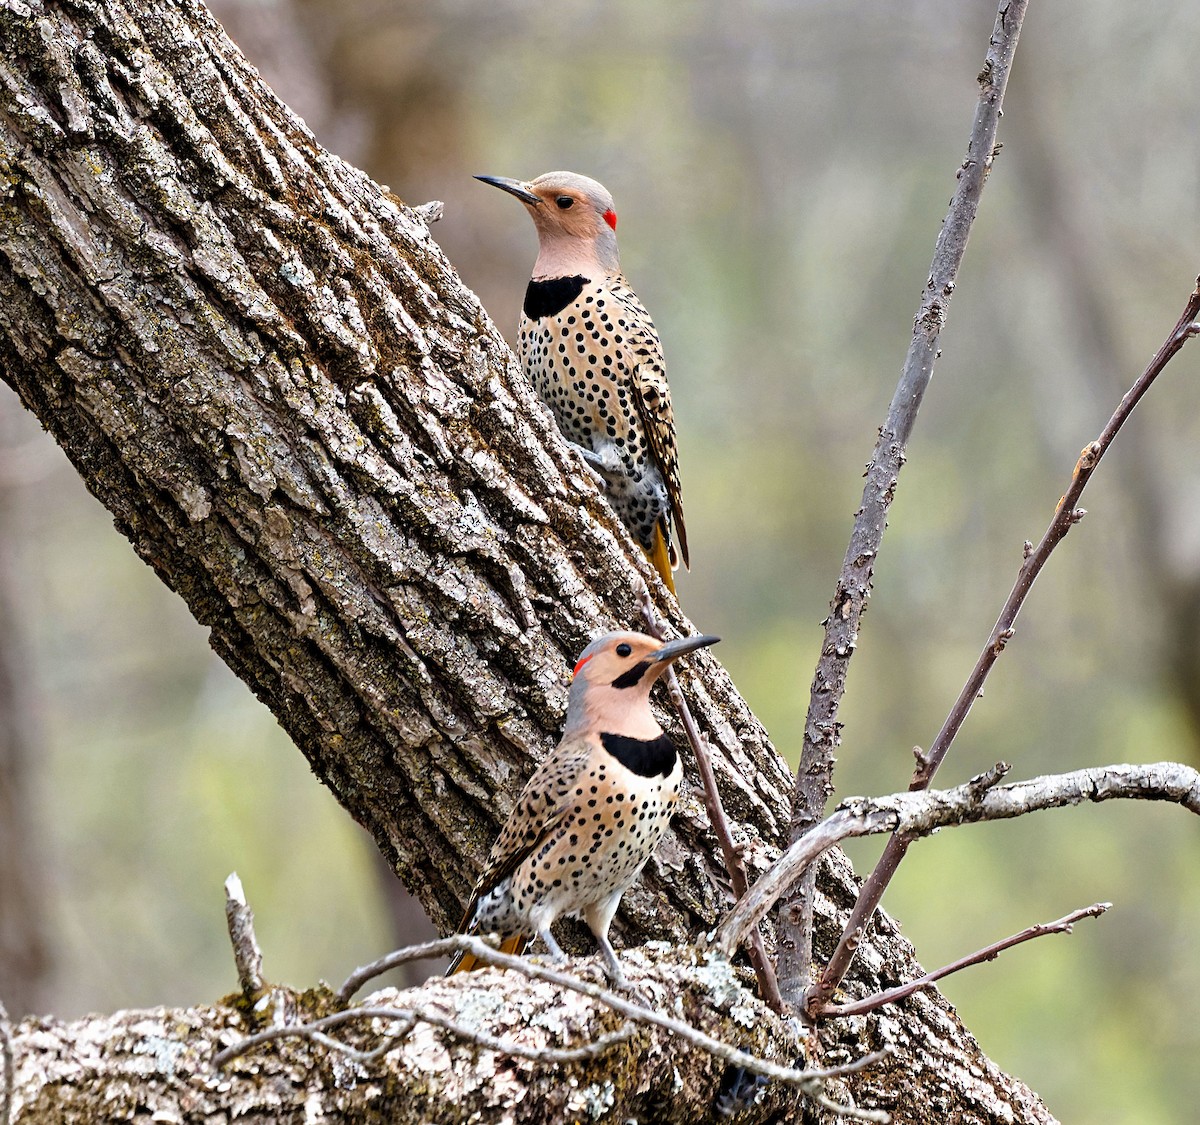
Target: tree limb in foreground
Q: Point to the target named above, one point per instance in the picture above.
(160, 1062)
(641, 1010)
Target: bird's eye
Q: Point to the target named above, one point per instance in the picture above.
(565, 201)
(623, 649)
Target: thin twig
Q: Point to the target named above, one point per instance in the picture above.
(313, 1031)
(407, 1018)
(821, 728)
(913, 814)
(734, 864)
(988, 953)
(530, 968)
(1066, 515)
(365, 1058)
(439, 947)
(9, 1066)
(879, 1115)
(247, 955)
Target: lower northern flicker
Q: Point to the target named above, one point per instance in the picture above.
(593, 811)
(592, 353)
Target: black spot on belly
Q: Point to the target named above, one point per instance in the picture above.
(652, 757)
(551, 296)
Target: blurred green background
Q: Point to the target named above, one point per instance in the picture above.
(780, 170)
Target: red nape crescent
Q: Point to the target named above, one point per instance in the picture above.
(580, 663)
(610, 217)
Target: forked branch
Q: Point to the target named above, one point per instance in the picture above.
(912, 814)
(1066, 515)
(814, 782)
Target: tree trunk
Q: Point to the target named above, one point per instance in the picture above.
(266, 369)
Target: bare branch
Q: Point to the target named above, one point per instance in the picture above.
(1066, 515)
(913, 814)
(407, 1018)
(734, 865)
(247, 955)
(1063, 925)
(441, 947)
(821, 728)
(851, 1111)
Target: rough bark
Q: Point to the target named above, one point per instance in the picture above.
(266, 369)
(428, 1071)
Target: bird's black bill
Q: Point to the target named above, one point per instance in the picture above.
(513, 187)
(672, 650)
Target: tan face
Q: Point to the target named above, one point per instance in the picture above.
(624, 661)
(571, 205)
(575, 220)
(610, 690)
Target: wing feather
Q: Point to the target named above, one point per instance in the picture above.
(652, 396)
(546, 799)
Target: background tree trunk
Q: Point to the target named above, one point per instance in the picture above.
(268, 372)
(24, 949)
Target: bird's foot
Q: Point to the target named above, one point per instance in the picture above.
(626, 987)
(594, 465)
(619, 982)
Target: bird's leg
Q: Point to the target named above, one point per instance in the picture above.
(616, 975)
(547, 937)
(599, 917)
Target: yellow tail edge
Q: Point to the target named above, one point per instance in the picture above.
(660, 558)
(465, 962)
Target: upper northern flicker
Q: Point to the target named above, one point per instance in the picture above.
(593, 811)
(592, 353)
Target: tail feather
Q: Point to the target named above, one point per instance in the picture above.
(464, 962)
(514, 945)
(681, 535)
(660, 557)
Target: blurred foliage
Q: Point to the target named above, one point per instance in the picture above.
(780, 171)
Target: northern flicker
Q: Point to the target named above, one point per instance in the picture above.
(592, 813)
(592, 353)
